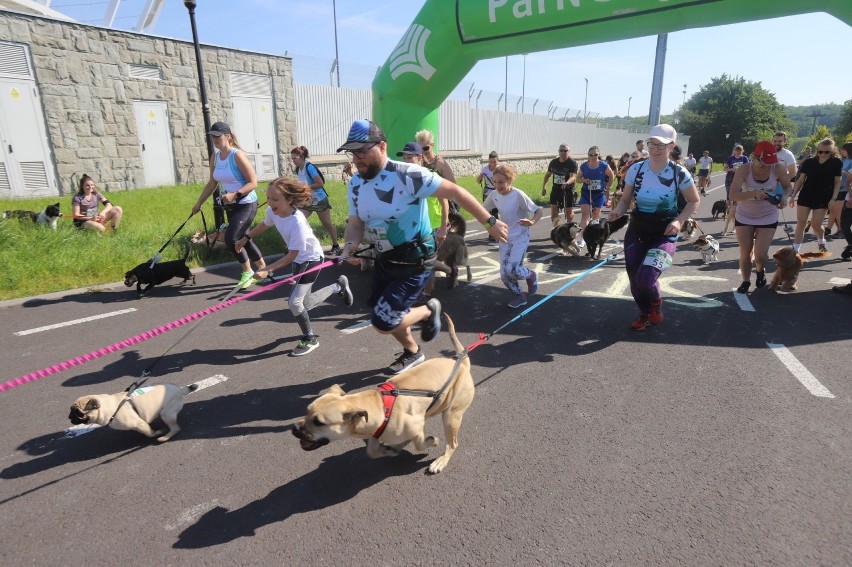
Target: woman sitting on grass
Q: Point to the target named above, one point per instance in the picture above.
(84, 208)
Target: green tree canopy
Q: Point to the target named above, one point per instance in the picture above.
(729, 111)
(843, 130)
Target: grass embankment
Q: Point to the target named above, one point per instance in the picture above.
(36, 260)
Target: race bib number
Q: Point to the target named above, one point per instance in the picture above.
(594, 184)
(558, 179)
(141, 391)
(379, 238)
(659, 259)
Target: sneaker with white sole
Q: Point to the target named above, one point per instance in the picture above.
(246, 279)
(306, 345)
(406, 360)
(345, 292)
(517, 301)
(432, 325)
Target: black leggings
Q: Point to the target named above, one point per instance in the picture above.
(846, 224)
(239, 221)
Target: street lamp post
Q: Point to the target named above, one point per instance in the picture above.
(202, 90)
(629, 99)
(336, 56)
(506, 87)
(684, 95)
(585, 100)
(524, 87)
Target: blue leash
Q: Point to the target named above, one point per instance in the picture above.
(538, 303)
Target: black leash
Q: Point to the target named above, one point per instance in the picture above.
(157, 257)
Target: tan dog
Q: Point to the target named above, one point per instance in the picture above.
(338, 415)
(730, 213)
(789, 264)
(143, 407)
(214, 239)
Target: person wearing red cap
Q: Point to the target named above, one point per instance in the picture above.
(754, 189)
(816, 189)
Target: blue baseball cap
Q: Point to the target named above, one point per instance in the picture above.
(411, 149)
(362, 134)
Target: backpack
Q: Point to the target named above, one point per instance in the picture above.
(681, 200)
(307, 163)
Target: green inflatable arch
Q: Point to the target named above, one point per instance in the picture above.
(448, 37)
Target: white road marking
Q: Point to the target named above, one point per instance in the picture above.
(84, 428)
(742, 301)
(798, 370)
(546, 257)
(484, 280)
(74, 322)
(838, 281)
(212, 381)
(356, 327)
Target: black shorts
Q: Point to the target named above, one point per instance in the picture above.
(815, 199)
(561, 198)
(773, 225)
(703, 172)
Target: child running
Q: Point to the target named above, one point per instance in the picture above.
(515, 210)
(285, 196)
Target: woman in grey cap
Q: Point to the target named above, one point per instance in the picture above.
(230, 168)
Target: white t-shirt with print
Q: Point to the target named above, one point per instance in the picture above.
(513, 206)
(705, 162)
(392, 205)
(297, 235)
(786, 158)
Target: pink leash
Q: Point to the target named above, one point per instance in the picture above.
(147, 335)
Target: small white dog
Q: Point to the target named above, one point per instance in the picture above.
(708, 246)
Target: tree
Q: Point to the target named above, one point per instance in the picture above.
(729, 111)
(843, 130)
(820, 134)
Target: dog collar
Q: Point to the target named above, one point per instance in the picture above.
(389, 393)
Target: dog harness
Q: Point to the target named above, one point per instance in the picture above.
(389, 393)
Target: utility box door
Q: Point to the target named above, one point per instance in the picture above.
(155, 142)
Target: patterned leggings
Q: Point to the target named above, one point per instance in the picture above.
(511, 261)
(644, 284)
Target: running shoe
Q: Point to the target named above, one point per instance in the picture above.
(655, 317)
(517, 301)
(432, 325)
(761, 280)
(336, 250)
(532, 282)
(744, 287)
(406, 360)
(306, 345)
(847, 253)
(345, 292)
(822, 248)
(641, 323)
(246, 280)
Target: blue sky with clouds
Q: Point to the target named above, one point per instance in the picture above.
(780, 53)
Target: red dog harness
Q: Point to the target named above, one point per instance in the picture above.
(389, 393)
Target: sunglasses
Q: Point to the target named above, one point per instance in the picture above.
(594, 155)
(360, 153)
(824, 152)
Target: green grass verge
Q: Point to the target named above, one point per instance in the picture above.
(37, 260)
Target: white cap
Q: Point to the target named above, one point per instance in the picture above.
(663, 133)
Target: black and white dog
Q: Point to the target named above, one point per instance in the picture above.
(565, 237)
(150, 276)
(48, 216)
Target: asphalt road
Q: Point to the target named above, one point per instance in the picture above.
(721, 437)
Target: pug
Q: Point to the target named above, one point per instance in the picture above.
(141, 408)
(362, 415)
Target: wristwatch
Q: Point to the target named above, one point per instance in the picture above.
(492, 220)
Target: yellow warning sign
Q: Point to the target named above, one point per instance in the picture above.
(152, 114)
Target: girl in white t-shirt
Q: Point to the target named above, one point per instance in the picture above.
(515, 210)
(285, 196)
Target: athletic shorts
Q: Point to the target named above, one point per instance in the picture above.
(815, 199)
(561, 198)
(597, 199)
(773, 225)
(393, 297)
(703, 172)
(319, 207)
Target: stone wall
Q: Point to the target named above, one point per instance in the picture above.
(83, 74)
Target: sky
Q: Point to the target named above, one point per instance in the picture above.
(778, 53)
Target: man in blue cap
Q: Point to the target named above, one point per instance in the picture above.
(387, 202)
